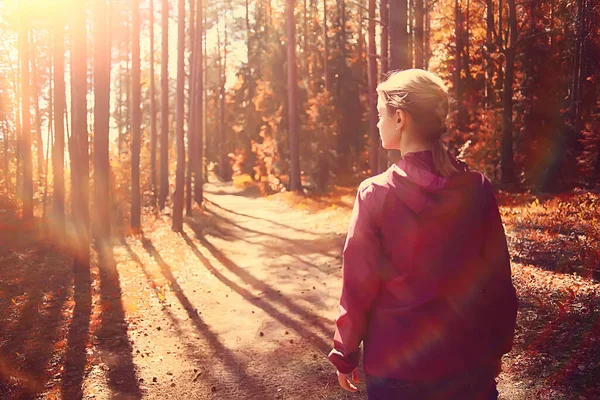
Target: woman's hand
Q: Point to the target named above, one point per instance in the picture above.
(345, 382)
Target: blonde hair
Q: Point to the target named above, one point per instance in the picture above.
(424, 96)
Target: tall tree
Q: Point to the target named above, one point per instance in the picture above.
(295, 183)
(326, 81)
(164, 119)
(372, 78)
(198, 105)
(427, 44)
(490, 45)
(79, 137)
(507, 164)
(153, 130)
(101, 122)
(26, 123)
(136, 117)
(384, 13)
(190, 111)
(399, 35)
(457, 50)
(418, 34)
(34, 87)
(180, 134)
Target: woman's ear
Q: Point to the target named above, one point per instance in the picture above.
(400, 118)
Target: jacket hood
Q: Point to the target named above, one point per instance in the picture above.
(415, 181)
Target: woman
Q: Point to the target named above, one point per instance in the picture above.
(426, 272)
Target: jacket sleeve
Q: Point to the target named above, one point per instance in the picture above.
(501, 290)
(360, 283)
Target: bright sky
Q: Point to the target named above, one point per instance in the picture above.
(46, 10)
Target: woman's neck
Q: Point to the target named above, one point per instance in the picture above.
(414, 148)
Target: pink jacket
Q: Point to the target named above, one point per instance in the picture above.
(426, 275)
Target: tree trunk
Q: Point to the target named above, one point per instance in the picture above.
(326, 48)
(426, 45)
(410, 25)
(305, 42)
(39, 143)
(457, 52)
(136, 118)
(372, 78)
(153, 130)
(6, 158)
(491, 48)
(198, 105)
(164, 119)
(79, 138)
(419, 34)
(101, 123)
(180, 135)
(398, 35)
(50, 140)
(507, 167)
(26, 123)
(295, 182)
(58, 154)
(466, 54)
(385, 40)
(190, 112)
(500, 46)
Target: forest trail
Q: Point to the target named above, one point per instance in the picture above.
(240, 306)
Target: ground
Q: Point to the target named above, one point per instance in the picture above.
(242, 304)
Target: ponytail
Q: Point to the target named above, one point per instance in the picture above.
(441, 159)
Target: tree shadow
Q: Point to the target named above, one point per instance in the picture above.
(558, 338)
(34, 286)
(270, 294)
(111, 337)
(231, 362)
(279, 224)
(557, 250)
(297, 246)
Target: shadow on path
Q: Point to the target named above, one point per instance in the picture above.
(232, 363)
(308, 319)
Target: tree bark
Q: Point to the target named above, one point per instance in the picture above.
(419, 34)
(153, 130)
(164, 120)
(385, 39)
(101, 123)
(372, 78)
(190, 112)
(79, 138)
(180, 134)
(136, 117)
(326, 48)
(426, 45)
(458, 50)
(26, 123)
(507, 167)
(490, 49)
(59, 102)
(295, 183)
(398, 35)
(198, 105)
(39, 143)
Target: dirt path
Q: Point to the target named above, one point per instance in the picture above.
(240, 306)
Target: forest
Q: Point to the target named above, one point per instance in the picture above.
(165, 163)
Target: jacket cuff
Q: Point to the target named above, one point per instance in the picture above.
(344, 364)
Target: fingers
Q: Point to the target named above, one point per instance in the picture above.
(355, 377)
(345, 382)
